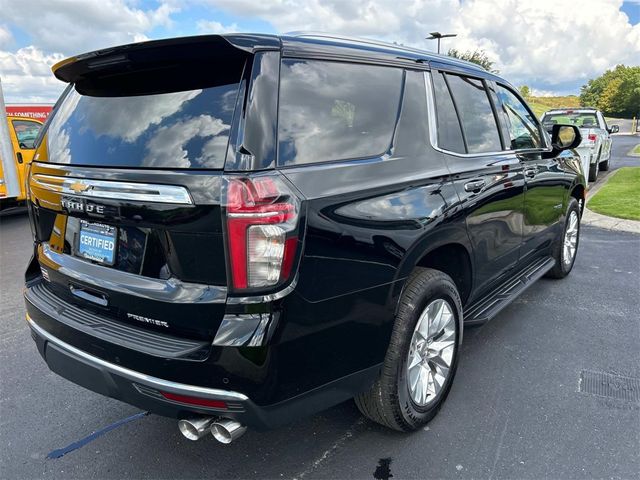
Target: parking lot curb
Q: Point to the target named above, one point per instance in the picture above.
(610, 223)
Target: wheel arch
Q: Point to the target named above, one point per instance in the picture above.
(578, 192)
(447, 250)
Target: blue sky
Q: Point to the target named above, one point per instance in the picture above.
(632, 10)
(554, 46)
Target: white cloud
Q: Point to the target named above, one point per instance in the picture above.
(168, 145)
(61, 28)
(548, 42)
(127, 118)
(75, 26)
(211, 26)
(536, 92)
(26, 75)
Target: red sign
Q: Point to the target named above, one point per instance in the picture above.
(37, 112)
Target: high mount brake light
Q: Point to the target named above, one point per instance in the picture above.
(262, 219)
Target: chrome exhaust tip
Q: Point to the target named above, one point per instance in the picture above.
(195, 428)
(226, 430)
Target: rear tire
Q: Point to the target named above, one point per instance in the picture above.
(392, 401)
(594, 168)
(566, 247)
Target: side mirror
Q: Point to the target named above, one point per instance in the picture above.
(563, 137)
(614, 129)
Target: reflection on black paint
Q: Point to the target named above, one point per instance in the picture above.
(187, 129)
(332, 111)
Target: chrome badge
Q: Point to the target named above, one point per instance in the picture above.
(151, 321)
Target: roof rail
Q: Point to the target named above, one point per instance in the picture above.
(379, 43)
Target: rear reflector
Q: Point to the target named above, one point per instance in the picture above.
(201, 402)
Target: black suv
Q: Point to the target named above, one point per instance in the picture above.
(238, 230)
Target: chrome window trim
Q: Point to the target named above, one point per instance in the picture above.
(132, 375)
(112, 189)
(433, 130)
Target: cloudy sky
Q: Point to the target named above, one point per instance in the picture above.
(554, 46)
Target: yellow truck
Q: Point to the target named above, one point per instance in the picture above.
(22, 133)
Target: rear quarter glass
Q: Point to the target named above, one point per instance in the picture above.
(183, 129)
(335, 111)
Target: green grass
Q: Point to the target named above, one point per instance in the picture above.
(539, 105)
(620, 196)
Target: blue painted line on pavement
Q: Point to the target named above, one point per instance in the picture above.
(89, 438)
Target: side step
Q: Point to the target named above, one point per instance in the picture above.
(488, 307)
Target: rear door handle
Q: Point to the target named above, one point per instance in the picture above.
(474, 186)
(530, 172)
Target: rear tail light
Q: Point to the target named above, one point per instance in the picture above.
(262, 215)
(592, 137)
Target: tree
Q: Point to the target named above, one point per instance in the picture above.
(525, 91)
(616, 92)
(479, 57)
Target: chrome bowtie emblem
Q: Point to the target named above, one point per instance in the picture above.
(79, 187)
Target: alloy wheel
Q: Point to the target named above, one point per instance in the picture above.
(570, 239)
(431, 352)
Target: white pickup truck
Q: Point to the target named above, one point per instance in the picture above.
(595, 149)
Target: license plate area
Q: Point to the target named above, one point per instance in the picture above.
(97, 242)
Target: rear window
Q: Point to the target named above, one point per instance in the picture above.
(182, 129)
(335, 111)
(582, 120)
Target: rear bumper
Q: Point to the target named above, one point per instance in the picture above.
(125, 384)
(145, 391)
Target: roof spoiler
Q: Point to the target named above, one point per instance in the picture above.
(144, 55)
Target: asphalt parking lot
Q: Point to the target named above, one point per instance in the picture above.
(516, 409)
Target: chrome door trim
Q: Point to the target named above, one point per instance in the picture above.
(112, 189)
(433, 130)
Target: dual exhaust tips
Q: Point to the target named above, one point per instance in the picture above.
(224, 430)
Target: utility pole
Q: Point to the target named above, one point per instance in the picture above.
(9, 175)
(438, 36)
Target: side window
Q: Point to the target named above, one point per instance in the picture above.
(523, 128)
(603, 121)
(26, 132)
(449, 132)
(335, 111)
(478, 121)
